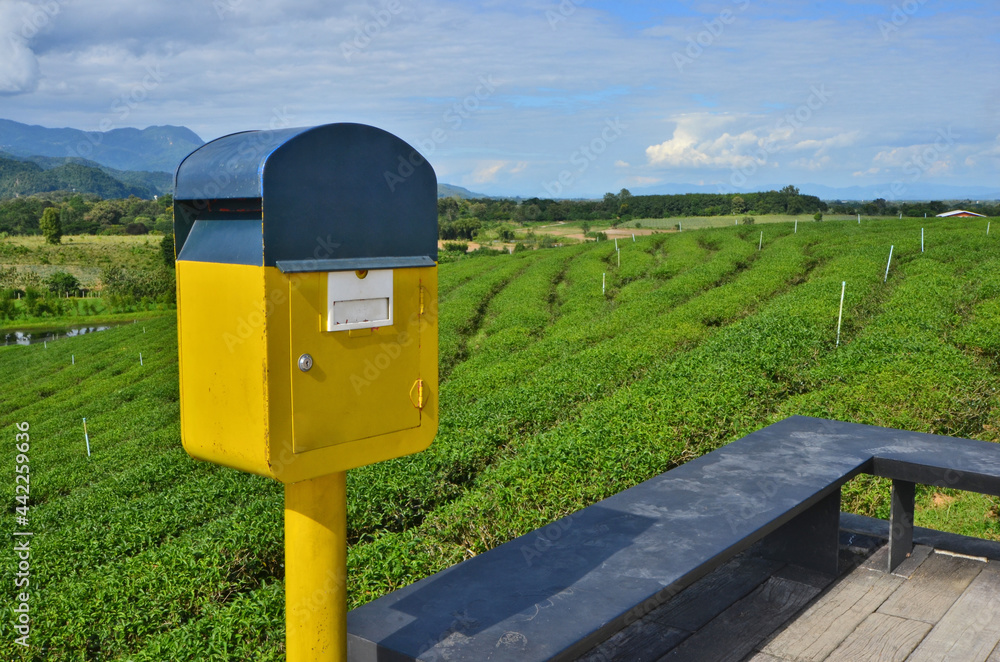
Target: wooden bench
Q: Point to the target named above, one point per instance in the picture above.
(556, 592)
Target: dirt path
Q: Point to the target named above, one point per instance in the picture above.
(472, 245)
(573, 232)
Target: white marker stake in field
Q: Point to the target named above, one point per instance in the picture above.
(796, 226)
(761, 244)
(46, 343)
(988, 228)
(840, 316)
(616, 243)
(921, 240)
(140, 358)
(859, 219)
(86, 437)
(73, 356)
(633, 237)
(604, 280)
(619, 258)
(887, 264)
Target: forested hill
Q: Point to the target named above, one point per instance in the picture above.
(158, 183)
(153, 149)
(21, 178)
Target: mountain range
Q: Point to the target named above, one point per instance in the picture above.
(21, 175)
(112, 164)
(154, 149)
(141, 162)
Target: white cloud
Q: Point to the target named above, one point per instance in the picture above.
(229, 70)
(846, 139)
(711, 141)
(487, 172)
(19, 71)
(640, 180)
(695, 144)
(812, 164)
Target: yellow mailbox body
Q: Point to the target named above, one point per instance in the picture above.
(307, 301)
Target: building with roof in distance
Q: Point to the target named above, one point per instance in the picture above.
(960, 213)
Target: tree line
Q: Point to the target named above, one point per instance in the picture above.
(461, 219)
(883, 207)
(623, 206)
(86, 214)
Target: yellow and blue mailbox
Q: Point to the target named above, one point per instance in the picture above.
(307, 330)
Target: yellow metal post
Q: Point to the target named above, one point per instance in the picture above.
(316, 569)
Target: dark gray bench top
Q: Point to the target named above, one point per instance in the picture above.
(557, 591)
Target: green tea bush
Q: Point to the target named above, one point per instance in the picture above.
(553, 396)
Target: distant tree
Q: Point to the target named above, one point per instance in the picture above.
(585, 226)
(818, 216)
(739, 205)
(611, 202)
(167, 249)
(749, 220)
(790, 190)
(136, 228)
(164, 224)
(62, 283)
(624, 201)
(106, 212)
(51, 226)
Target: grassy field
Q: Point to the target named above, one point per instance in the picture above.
(26, 262)
(553, 396)
(82, 256)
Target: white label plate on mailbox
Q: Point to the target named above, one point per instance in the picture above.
(353, 302)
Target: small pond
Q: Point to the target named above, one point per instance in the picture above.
(33, 336)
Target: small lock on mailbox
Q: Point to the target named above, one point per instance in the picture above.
(307, 300)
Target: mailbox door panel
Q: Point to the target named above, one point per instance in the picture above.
(360, 383)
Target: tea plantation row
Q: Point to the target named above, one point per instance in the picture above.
(554, 395)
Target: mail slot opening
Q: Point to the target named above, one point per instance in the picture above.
(354, 302)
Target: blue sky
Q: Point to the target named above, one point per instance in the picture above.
(534, 97)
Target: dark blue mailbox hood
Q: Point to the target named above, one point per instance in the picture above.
(325, 198)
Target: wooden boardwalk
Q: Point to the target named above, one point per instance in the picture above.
(937, 605)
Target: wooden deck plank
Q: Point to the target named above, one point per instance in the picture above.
(700, 603)
(640, 642)
(764, 657)
(834, 616)
(880, 560)
(932, 588)
(970, 630)
(735, 633)
(881, 638)
(662, 629)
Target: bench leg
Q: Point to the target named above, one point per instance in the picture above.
(810, 540)
(901, 522)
